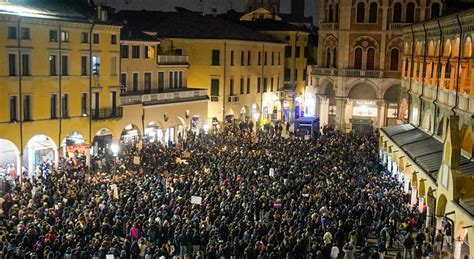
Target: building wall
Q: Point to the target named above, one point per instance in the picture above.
(201, 72)
(346, 44)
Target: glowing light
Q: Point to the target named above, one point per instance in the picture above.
(256, 116)
(206, 128)
(364, 109)
(114, 148)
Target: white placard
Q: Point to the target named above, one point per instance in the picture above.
(136, 160)
(109, 256)
(196, 200)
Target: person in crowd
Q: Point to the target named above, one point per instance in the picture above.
(212, 196)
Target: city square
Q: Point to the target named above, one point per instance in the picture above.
(236, 129)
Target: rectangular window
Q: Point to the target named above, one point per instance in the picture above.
(65, 36)
(64, 65)
(242, 54)
(288, 51)
(304, 74)
(215, 57)
(287, 74)
(306, 51)
(149, 52)
(96, 38)
(25, 62)
(248, 58)
(170, 79)
(135, 51)
(214, 87)
(84, 104)
(259, 82)
(265, 85)
(13, 108)
(52, 65)
(84, 66)
(113, 66)
(11, 64)
(96, 65)
(135, 82)
(54, 106)
(271, 84)
(65, 106)
(53, 36)
(273, 58)
(241, 86)
(279, 58)
(123, 80)
(84, 37)
(297, 52)
(231, 57)
(248, 85)
(12, 33)
(231, 86)
(265, 59)
(124, 51)
(27, 108)
(148, 82)
(180, 81)
(113, 39)
(161, 81)
(176, 79)
(278, 83)
(259, 58)
(25, 34)
(296, 75)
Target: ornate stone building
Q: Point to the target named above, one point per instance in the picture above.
(357, 79)
(434, 152)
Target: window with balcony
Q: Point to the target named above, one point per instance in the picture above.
(231, 86)
(265, 84)
(161, 81)
(95, 38)
(330, 14)
(241, 86)
(271, 84)
(397, 13)
(394, 59)
(373, 10)
(149, 52)
(135, 82)
(358, 58)
(360, 16)
(123, 80)
(336, 16)
(279, 58)
(170, 79)
(84, 111)
(370, 59)
(214, 88)
(147, 82)
(25, 63)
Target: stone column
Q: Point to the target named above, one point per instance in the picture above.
(340, 112)
(380, 114)
(457, 249)
(435, 73)
(403, 67)
(443, 71)
(428, 71)
(464, 77)
(19, 165)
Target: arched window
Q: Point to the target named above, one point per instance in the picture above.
(397, 12)
(435, 10)
(410, 13)
(334, 57)
(394, 57)
(336, 19)
(360, 12)
(328, 57)
(358, 58)
(330, 13)
(371, 59)
(373, 10)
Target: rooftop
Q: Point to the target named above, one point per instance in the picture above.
(190, 25)
(272, 25)
(49, 9)
(129, 33)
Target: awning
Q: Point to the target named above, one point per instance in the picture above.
(423, 149)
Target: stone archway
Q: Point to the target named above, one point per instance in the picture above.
(130, 134)
(365, 112)
(10, 160)
(40, 149)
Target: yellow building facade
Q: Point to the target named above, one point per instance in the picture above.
(157, 103)
(433, 153)
(60, 83)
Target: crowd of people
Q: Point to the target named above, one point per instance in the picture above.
(233, 194)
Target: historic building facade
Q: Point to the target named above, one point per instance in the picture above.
(157, 104)
(433, 154)
(60, 82)
(357, 79)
